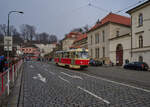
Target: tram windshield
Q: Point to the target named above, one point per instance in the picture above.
(83, 54)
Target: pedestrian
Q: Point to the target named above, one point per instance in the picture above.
(2, 63)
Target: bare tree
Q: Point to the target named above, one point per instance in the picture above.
(27, 32)
(81, 29)
(53, 39)
(77, 30)
(43, 37)
(86, 28)
(3, 29)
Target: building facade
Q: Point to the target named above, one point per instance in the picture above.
(69, 39)
(80, 42)
(30, 52)
(46, 48)
(106, 36)
(141, 32)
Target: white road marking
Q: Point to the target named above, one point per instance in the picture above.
(93, 95)
(74, 76)
(66, 74)
(64, 79)
(50, 72)
(127, 85)
(39, 77)
(31, 66)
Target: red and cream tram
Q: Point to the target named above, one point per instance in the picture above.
(74, 58)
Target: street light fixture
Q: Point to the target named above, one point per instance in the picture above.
(8, 19)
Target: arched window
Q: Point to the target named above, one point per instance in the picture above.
(140, 59)
(140, 42)
(140, 19)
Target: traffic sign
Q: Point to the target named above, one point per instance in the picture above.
(8, 43)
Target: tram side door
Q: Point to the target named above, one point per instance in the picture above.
(72, 58)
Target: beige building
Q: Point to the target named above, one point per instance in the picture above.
(46, 48)
(69, 39)
(80, 42)
(109, 40)
(141, 32)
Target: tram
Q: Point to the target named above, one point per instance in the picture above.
(74, 58)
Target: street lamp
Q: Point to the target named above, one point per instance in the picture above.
(8, 41)
(8, 19)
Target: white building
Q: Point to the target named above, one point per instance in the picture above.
(67, 42)
(141, 32)
(45, 48)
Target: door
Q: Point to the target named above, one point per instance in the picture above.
(119, 55)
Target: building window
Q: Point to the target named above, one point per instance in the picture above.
(117, 33)
(140, 19)
(91, 53)
(140, 42)
(140, 59)
(103, 34)
(103, 51)
(96, 52)
(96, 38)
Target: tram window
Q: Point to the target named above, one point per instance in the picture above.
(67, 54)
(83, 54)
(73, 54)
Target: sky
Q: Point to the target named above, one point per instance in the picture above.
(60, 16)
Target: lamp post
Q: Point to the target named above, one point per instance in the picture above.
(8, 42)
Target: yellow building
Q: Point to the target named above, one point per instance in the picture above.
(141, 32)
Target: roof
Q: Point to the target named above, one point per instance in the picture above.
(114, 18)
(80, 37)
(70, 35)
(139, 7)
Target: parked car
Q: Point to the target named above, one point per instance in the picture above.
(137, 66)
(95, 62)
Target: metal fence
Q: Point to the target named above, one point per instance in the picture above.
(8, 77)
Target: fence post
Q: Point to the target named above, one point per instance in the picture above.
(2, 84)
(16, 69)
(8, 82)
(13, 74)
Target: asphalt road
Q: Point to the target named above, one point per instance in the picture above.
(47, 85)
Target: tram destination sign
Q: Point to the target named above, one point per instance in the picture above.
(8, 43)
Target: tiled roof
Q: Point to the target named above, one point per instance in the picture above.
(114, 18)
(80, 37)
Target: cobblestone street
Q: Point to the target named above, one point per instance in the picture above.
(47, 85)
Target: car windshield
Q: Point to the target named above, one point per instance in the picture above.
(83, 54)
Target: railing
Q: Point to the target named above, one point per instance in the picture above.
(8, 77)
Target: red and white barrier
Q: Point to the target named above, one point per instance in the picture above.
(9, 76)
